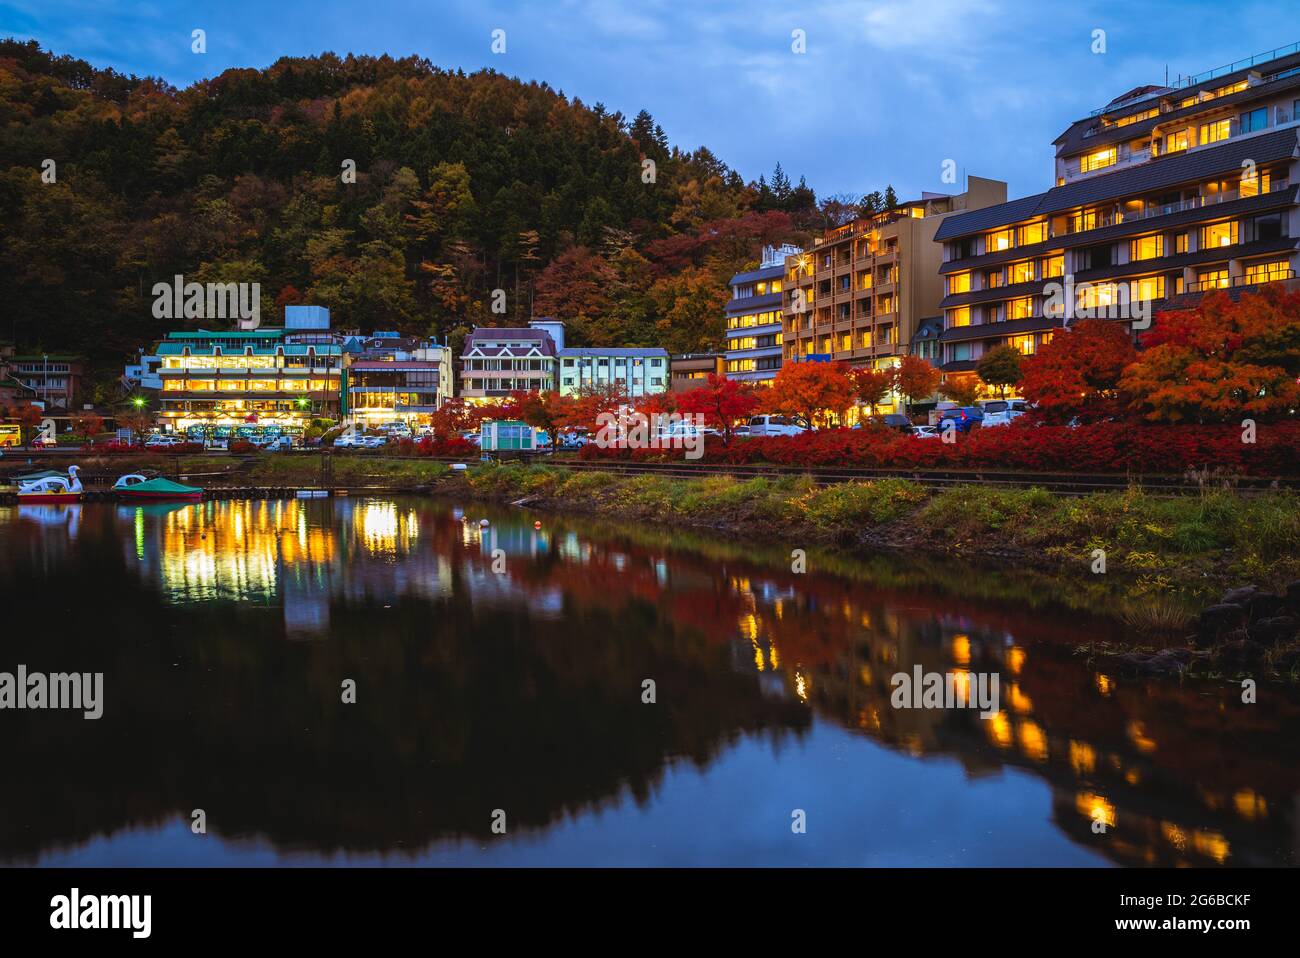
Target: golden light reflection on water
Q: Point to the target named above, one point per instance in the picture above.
(234, 549)
(1096, 808)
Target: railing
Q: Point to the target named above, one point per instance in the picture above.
(1272, 276)
(1118, 216)
(1194, 79)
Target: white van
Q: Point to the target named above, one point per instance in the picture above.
(1000, 412)
(774, 426)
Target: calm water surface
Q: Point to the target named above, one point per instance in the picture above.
(225, 631)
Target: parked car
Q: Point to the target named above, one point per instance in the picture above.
(926, 432)
(775, 426)
(740, 432)
(160, 439)
(347, 441)
(895, 420)
(372, 442)
(965, 417)
(1000, 412)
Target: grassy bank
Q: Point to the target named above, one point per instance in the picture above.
(1187, 547)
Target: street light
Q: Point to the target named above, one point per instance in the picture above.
(138, 402)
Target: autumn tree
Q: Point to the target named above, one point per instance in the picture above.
(811, 391)
(454, 417)
(721, 401)
(1000, 368)
(87, 424)
(915, 379)
(1078, 372)
(1221, 361)
(872, 386)
(963, 390)
(548, 411)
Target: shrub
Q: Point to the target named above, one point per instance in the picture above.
(1102, 447)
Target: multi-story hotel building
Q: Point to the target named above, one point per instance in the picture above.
(52, 380)
(754, 318)
(269, 377)
(392, 378)
(1164, 193)
(496, 361)
(639, 371)
(860, 292)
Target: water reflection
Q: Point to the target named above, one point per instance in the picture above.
(502, 666)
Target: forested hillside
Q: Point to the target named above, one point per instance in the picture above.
(464, 184)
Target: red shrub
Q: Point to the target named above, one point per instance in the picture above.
(1106, 447)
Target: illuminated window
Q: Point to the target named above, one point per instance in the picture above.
(1022, 308)
(1268, 272)
(1053, 266)
(1153, 287)
(776, 286)
(1212, 279)
(958, 283)
(1022, 272)
(866, 279)
(1230, 88)
(866, 339)
(1023, 343)
(1220, 234)
(1137, 117)
(1033, 233)
(1146, 247)
(1177, 141)
(959, 316)
(999, 241)
(994, 278)
(1256, 184)
(1084, 220)
(1180, 243)
(1098, 296)
(1216, 131)
(1097, 160)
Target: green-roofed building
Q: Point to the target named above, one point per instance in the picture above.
(216, 379)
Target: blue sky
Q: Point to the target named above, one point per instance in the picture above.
(886, 91)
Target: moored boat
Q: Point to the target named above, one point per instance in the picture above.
(135, 486)
(51, 488)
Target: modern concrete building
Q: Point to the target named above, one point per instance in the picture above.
(394, 378)
(754, 319)
(1164, 193)
(690, 370)
(860, 292)
(267, 377)
(496, 361)
(640, 371)
(48, 378)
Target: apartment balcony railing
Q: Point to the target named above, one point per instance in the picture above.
(1272, 276)
(1114, 217)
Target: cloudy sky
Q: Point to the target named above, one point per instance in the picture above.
(885, 92)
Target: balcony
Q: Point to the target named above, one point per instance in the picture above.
(1115, 217)
(1273, 276)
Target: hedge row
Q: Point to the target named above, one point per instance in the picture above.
(1098, 447)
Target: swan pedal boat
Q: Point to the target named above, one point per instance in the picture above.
(134, 486)
(51, 488)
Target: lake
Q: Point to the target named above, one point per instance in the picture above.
(363, 681)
